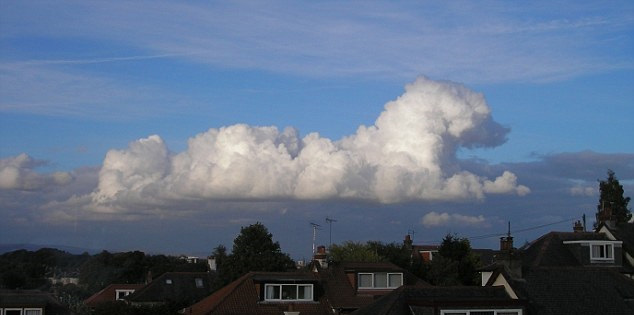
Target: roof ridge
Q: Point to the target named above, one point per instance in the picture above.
(223, 292)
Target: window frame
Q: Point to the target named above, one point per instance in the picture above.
(126, 291)
(608, 254)
(33, 309)
(296, 285)
(373, 275)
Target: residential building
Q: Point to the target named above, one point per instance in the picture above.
(174, 287)
(111, 293)
(30, 302)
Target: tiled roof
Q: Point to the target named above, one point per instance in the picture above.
(174, 286)
(405, 298)
(342, 295)
(241, 297)
(549, 250)
(108, 294)
(32, 298)
(576, 290)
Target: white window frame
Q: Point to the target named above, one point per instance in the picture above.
(125, 291)
(608, 250)
(297, 285)
(373, 274)
(468, 311)
(33, 309)
(591, 243)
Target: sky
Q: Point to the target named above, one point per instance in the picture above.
(166, 126)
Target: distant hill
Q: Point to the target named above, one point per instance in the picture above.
(5, 248)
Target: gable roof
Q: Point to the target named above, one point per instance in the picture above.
(174, 286)
(108, 294)
(623, 232)
(574, 290)
(242, 297)
(407, 298)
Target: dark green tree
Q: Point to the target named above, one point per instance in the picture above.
(353, 251)
(254, 250)
(456, 264)
(612, 197)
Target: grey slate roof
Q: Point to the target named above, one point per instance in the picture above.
(574, 290)
(181, 289)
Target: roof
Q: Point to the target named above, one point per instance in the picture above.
(340, 292)
(241, 297)
(574, 290)
(108, 294)
(549, 250)
(175, 287)
(32, 298)
(405, 298)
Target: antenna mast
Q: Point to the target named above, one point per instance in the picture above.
(329, 220)
(315, 228)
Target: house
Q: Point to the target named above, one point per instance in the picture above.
(267, 293)
(111, 293)
(173, 287)
(623, 232)
(30, 302)
(408, 300)
(564, 273)
(322, 289)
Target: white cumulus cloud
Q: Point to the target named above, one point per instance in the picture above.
(408, 154)
(18, 172)
(433, 219)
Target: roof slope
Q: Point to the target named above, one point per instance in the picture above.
(174, 286)
(623, 232)
(401, 300)
(550, 251)
(571, 290)
(241, 297)
(108, 294)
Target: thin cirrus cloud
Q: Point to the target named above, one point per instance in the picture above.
(493, 43)
(408, 154)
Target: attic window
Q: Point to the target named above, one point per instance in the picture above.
(288, 292)
(380, 280)
(602, 252)
(199, 283)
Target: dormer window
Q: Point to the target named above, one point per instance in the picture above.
(601, 252)
(121, 293)
(380, 280)
(288, 292)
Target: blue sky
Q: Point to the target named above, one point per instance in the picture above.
(160, 126)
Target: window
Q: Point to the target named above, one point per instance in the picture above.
(380, 280)
(120, 294)
(482, 312)
(168, 281)
(32, 311)
(602, 252)
(13, 311)
(288, 292)
(199, 283)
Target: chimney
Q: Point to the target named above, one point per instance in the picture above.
(506, 243)
(407, 242)
(211, 261)
(321, 257)
(578, 227)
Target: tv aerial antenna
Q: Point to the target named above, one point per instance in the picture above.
(315, 228)
(330, 220)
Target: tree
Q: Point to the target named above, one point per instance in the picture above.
(353, 251)
(254, 250)
(612, 197)
(456, 264)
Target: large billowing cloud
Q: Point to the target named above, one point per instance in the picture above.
(408, 154)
